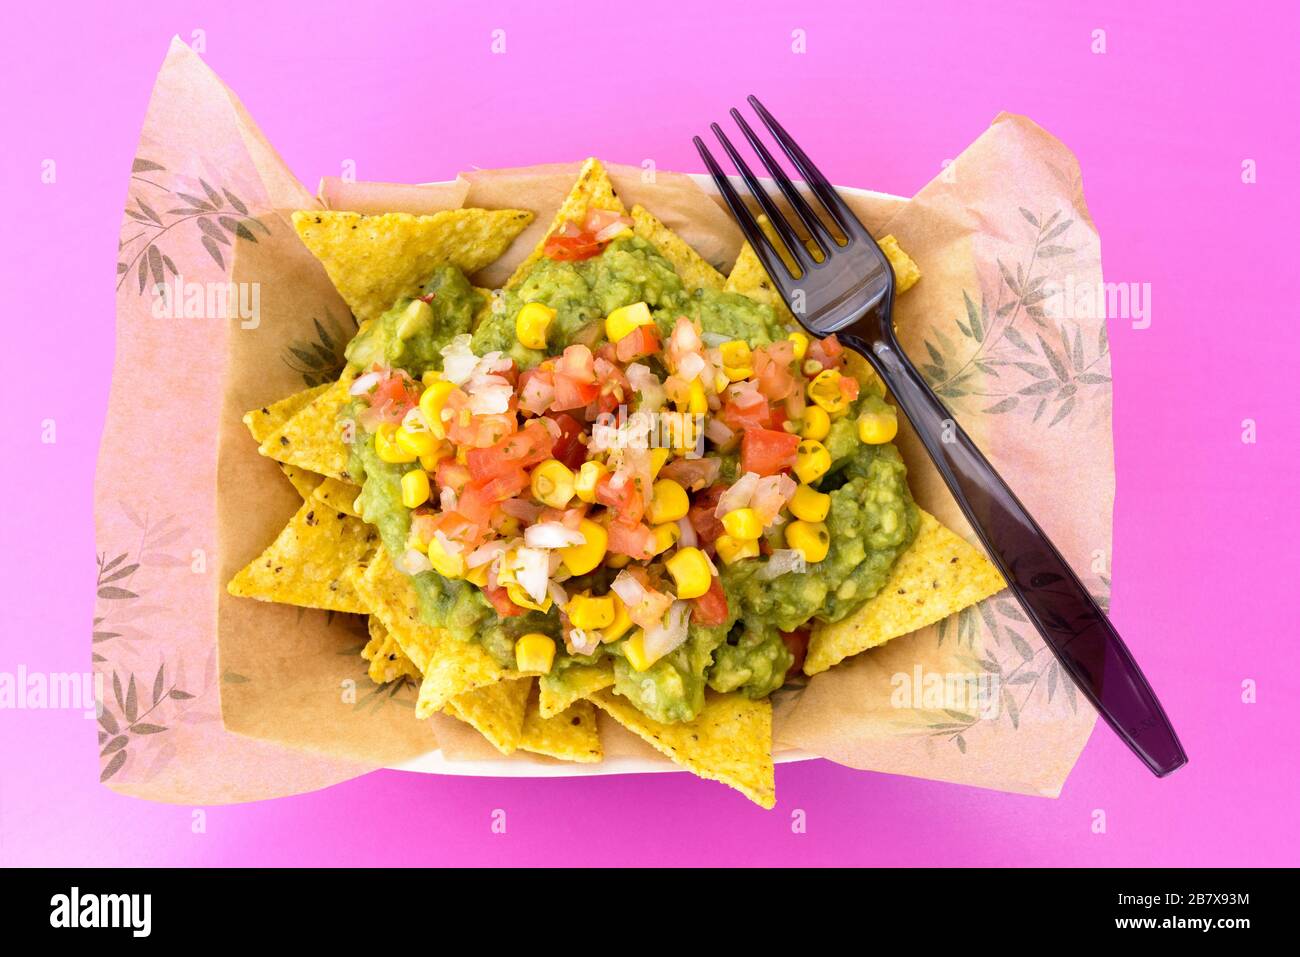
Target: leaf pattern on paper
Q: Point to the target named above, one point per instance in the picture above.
(164, 211)
(319, 359)
(1009, 355)
(141, 703)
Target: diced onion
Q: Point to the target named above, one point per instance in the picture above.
(552, 535)
(781, 561)
(662, 639)
(739, 495)
(412, 562)
(717, 431)
(364, 383)
(689, 539)
(531, 568)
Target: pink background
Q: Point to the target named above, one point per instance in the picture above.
(1206, 536)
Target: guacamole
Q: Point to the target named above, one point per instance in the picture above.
(871, 518)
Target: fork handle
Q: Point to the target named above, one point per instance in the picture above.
(1067, 617)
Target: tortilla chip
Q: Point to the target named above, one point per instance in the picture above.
(938, 576)
(729, 741)
(312, 439)
(573, 684)
(262, 422)
(303, 481)
(906, 272)
(495, 711)
(571, 735)
(375, 260)
(451, 666)
(694, 271)
(593, 189)
(340, 496)
(387, 660)
(750, 279)
(306, 563)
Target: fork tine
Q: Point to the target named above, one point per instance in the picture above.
(798, 252)
(818, 183)
(805, 213)
(748, 225)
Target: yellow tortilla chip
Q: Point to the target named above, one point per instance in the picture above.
(262, 422)
(307, 562)
(938, 576)
(729, 741)
(337, 495)
(495, 711)
(906, 272)
(375, 260)
(592, 190)
(451, 666)
(559, 691)
(387, 660)
(313, 439)
(750, 279)
(694, 271)
(571, 735)
(303, 481)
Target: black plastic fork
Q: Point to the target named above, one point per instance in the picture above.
(849, 290)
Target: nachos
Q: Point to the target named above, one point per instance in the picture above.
(623, 482)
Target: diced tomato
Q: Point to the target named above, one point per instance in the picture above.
(614, 387)
(772, 370)
(482, 497)
(501, 601)
(569, 447)
(451, 474)
(829, 352)
(528, 446)
(571, 393)
(571, 248)
(797, 643)
(536, 390)
(739, 417)
(625, 501)
(707, 525)
(641, 341)
(767, 452)
(711, 607)
(635, 540)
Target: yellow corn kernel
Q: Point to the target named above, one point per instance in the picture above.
(519, 595)
(444, 562)
(668, 502)
(417, 443)
(509, 527)
(535, 652)
(621, 623)
(658, 459)
(552, 483)
(588, 612)
(580, 559)
(415, 488)
(430, 377)
(809, 505)
(696, 402)
(812, 461)
(626, 318)
(478, 575)
(737, 359)
(877, 428)
(825, 391)
(720, 382)
(800, 341)
(531, 324)
(441, 450)
(431, 403)
(588, 475)
(811, 538)
(618, 561)
(387, 448)
(816, 423)
(634, 651)
(666, 536)
(743, 523)
(732, 550)
(691, 572)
